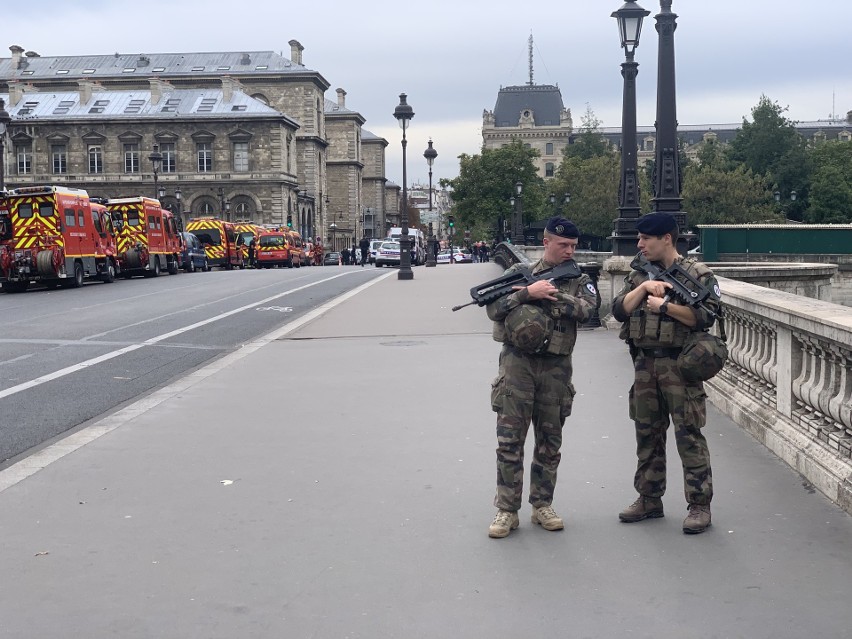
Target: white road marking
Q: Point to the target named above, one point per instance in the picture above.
(38, 381)
(30, 465)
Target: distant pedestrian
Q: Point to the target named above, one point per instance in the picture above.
(251, 249)
(344, 255)
(364, 244)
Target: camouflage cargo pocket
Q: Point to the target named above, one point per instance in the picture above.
(695, 408)
(567, 402)
(497, 392)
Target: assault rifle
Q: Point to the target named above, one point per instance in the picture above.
(519, 278)
(694, 294)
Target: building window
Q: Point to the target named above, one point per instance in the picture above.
(205, 157)
(241, 156)
(548, 169)
(131, 158)
(206, 209)
(548, 150)
(25, 159)
(59, 155)
(169, 164)
(96, 159)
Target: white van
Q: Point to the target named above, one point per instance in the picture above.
(418, 243)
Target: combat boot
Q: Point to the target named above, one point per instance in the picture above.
(698, 519)
(547, 517)
(504, 522)
(642, 508)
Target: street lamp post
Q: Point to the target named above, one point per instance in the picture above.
(156, 159)
(667, 197)
(403, 113)
(624, 233)
(430, 154)
(179, 211)
(558, 205)
(518, 234)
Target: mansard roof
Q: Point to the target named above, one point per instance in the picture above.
(133, 105)
(543, 100)
(122, 65)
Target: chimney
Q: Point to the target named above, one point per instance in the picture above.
(296, 51)
(245, 59)
(158, 87)
(849, 117)
(32, 54)
(341, 98)
(16, 55)
(229, 86)
(86, 87)
(18, 90)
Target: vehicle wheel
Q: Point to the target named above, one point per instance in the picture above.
(77, 280)
(190, 266)
(290, 262)
(126, 274)
(206, 267)
(15, 287)
(155, 271)
(109, 276)
(51, 285)
(172, 266)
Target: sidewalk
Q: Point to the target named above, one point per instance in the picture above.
(350, 496)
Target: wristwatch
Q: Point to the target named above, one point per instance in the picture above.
(664, 308)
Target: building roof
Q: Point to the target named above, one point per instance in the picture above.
(133, 105)
(544, 100)
(333, 107)
(121, 65)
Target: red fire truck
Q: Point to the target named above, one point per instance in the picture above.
(148, 237)
(54, 235)
(221, 241)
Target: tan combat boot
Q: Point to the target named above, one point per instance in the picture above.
(642, 508)
(504, 522)
(698, 519)
(548, 518)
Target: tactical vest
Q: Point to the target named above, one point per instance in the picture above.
(564, 332)
(655, 330)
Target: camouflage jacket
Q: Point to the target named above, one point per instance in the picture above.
(651, 330)
(577, 299)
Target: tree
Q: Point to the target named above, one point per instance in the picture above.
(486, 182)
(590, 143)
(712, 195)
(593, 185)
(831, 184)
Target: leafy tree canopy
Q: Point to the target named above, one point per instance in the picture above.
(712, 195)
(593, 185)
(831, 184)
(590, 143)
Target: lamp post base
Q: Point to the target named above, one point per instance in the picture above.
(405, 273)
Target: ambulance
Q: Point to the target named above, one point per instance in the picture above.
(148, 237)
(220, 241)
(54, 235)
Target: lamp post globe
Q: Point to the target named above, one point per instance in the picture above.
(404, 113)
(430, 154)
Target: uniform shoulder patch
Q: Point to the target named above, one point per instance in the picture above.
(591, 288)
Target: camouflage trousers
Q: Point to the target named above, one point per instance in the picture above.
(659, 391)
(528, 389)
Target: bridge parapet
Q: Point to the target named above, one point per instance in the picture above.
(789, 381)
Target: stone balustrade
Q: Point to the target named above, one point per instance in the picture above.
(788, 381)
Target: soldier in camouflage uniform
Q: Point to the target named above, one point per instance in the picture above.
(656, 330)
(537, 326)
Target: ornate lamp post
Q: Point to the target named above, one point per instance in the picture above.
(667, 197)
(156, 159)
(624, 234)
(179, 211)
(518, 233)
(430, 154)
(403, 113)
(558, 205)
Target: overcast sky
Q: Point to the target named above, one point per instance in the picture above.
(452, 57)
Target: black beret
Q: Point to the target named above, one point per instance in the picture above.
(562, 227)
(657, 224)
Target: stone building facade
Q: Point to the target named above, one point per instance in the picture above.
(287, 160)
(345, 169)
(373, 184)
(535, 115)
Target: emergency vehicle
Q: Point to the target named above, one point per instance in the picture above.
(297, 248)
(148, 236)
(246, 232)
(54, 235)
(274, 248)
(220, 240)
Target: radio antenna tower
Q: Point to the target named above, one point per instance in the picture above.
(531, 58)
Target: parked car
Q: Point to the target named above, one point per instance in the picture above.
(388, 253)
(458, 256)
(374, 248)
(192, 254)
(331, 259)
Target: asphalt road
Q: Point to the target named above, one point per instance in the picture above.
(67, 356)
